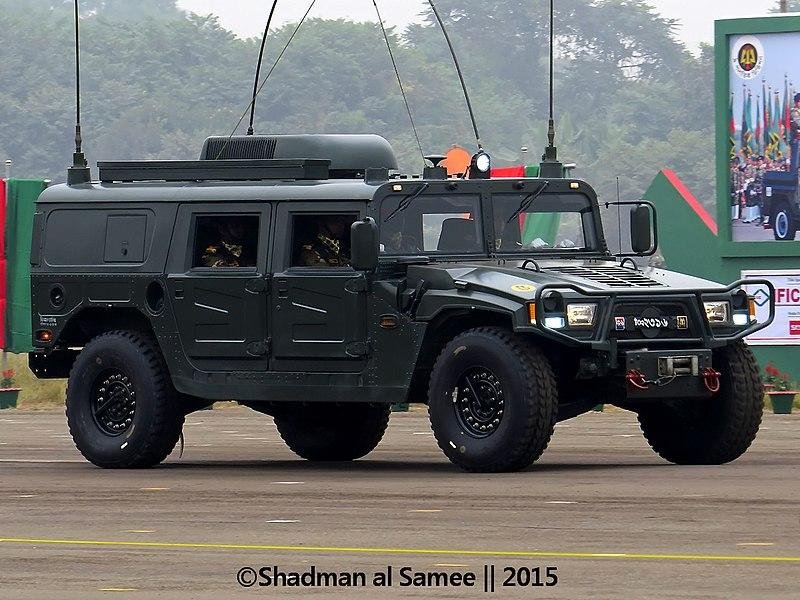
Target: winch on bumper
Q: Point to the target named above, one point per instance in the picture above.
(666, 374)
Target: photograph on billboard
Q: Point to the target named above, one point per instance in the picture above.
(764, 107)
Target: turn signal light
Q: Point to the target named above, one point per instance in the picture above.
(751, 306)
(532, 313)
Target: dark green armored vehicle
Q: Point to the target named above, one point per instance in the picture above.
(301, 277)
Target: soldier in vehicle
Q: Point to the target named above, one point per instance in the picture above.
(795, 137)
(233, 246)
(330, 247)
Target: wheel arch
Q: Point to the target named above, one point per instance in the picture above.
(92, 321)
(442, 328)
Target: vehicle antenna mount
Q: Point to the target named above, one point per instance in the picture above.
(550, 165)
(250, 130)
(79, 172)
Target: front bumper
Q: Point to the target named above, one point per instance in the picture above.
(602, 338)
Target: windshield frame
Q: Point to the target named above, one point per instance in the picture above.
(486, 189)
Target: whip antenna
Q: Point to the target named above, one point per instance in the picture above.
(258, 68)
(263, 83)
(460, 74)
(79, 171)
(399, 80)
(550, 166)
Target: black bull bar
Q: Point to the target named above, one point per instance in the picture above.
(609, 299)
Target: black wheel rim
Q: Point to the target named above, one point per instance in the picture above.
(113, 402)
(478, 401)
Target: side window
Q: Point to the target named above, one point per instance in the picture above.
(225, 241)
(321, 240)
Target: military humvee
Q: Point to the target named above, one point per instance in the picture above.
(496, 302)
(781, 202)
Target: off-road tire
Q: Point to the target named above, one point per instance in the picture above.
(784, 211)
(525, 378)
(716, 430)
(157, 420)
(333, 432)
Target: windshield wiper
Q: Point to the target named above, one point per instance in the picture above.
(527, 201)
(406, 202)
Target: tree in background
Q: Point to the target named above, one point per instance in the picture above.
(630, 98)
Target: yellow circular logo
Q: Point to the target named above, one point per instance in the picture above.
(523, 287)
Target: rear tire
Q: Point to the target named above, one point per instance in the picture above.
(121, 408)
(716, 430)
(784, 222)
(493, 401)
(333, 432)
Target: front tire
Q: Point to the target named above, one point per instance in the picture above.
(333, 432)
(716, 430)
(492, 401)
(121, 408)
(784, 223)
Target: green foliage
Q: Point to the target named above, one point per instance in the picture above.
(156, 81)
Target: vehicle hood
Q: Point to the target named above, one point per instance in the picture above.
(512, 280)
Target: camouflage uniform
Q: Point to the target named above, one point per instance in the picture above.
(325, 251)
(224, 254)
(795, 122)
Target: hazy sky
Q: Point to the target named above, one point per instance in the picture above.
(248, 17)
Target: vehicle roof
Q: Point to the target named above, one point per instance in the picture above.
(212, 191)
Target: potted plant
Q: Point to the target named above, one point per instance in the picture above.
(8, 393)
(782, 397)
(772, 377)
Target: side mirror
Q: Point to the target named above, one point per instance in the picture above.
(364, 245)
(641, 229)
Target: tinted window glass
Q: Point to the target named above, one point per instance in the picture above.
(554, 222)
(448, 224)
(225, 241)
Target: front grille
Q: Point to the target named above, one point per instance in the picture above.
(612, 276)
(669, 310)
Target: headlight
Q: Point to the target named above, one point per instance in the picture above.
(581, 315)
(717, 313)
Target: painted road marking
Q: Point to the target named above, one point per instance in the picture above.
(138, 531)
(288, 482)
(755, 544)
(118, 589)
(154, 489)
(426, 510)
(283, 521)
(405, 551)
(422, 433)
(560, 502)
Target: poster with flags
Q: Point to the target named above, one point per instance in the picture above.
(763, 143)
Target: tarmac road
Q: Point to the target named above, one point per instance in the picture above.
(597, 501)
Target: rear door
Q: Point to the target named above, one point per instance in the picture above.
(218, 284)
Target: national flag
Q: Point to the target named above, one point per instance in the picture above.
(787, 107)
(745, 133)
(761, 137)
(731, 128)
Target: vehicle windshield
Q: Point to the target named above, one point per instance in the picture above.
(551, 222)
(432, 224)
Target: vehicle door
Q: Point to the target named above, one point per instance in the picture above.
(218, 284)
(319, 312)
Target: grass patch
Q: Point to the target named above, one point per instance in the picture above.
(36, 394)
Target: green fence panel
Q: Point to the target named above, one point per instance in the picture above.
(21, 202)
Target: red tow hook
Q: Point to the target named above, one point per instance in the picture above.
(637, 379)
(711, 379)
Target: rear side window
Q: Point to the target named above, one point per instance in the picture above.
(228, 241)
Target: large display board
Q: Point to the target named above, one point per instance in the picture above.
(758, 136)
